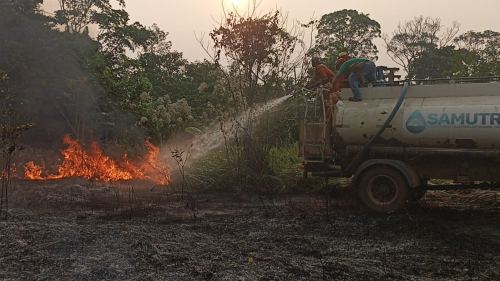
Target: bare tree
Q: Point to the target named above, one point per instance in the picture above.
(9, 135)
(412, 38)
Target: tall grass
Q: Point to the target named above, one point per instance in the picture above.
(279, 171)
(284, 163)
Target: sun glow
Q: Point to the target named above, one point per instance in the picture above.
(235, 2)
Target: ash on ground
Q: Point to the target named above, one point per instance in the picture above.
(72, 230)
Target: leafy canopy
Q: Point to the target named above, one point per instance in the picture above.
(347, 31)
(258, 49)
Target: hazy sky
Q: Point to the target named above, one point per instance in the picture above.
(186, 19)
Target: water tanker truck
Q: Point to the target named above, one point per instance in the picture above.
(399, 137)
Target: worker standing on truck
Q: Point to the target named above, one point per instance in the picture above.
(359, 68)
(343, 57)
(323, 76)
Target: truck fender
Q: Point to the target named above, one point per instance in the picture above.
(405, 169)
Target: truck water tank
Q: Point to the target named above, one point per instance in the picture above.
(439, 116)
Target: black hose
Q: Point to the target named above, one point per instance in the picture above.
(381, 130)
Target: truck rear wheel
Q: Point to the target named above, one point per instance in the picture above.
(382, 189)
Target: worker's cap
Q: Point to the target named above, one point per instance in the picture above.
(341, 54)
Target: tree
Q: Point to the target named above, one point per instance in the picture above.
(478, 54)
(41, 62)
(163, 67)
(414, 37)
(116, 35)
(433, 63)
(71, 83)
(346, 31)
(77, 15)
(209, 100)
(259, 51)
(256, 56)
(28, 8)
(120, 76)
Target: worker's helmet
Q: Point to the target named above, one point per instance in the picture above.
(341, 54)
(315, 61)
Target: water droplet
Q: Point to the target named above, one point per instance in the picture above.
(416, 122)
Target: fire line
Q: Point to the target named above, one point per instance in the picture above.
(94, 165)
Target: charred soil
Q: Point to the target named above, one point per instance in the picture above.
(72, 230)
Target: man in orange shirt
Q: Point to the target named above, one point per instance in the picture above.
(324, 76)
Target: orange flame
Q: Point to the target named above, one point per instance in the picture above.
(93, 165)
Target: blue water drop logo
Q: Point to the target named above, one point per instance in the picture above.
(416, 122)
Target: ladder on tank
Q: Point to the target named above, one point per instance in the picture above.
(315, 127)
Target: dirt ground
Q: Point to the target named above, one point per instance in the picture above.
(72, 230)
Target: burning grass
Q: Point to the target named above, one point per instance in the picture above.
(92, 164)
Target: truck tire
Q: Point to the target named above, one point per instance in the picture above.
(382, 189)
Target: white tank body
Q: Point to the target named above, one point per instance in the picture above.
(441, 116)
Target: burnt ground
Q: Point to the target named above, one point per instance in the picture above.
(71, 230)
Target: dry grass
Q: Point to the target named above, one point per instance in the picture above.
(465, 199)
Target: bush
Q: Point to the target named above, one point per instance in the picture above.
(229, 169)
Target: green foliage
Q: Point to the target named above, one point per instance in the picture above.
(27, 8)
(284, 162)
(203, 87)
(170, 74)
(219, 170)
(259, 50)
(160, 117)
(270, 161)
(478, 54)
(123, 78)
(215, 171)
(71, 83)
(120, 79)
(77, 15)
(116, 35)
(433, 63)
(346, 31)
(42, 64)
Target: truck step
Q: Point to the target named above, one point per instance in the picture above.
(315, 141)
(315, 123)
(313, 145)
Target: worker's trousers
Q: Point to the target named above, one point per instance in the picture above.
(368, 72)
